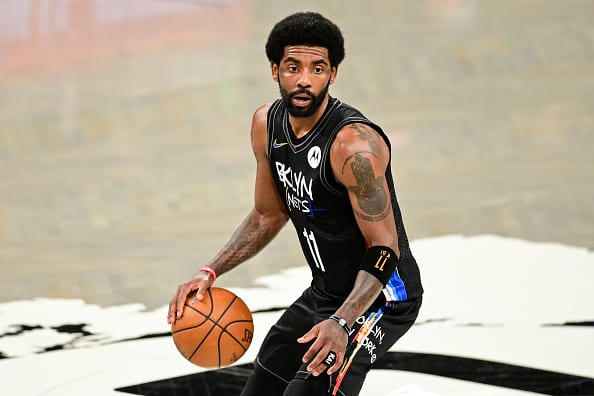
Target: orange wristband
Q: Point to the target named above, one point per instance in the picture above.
(210, 271)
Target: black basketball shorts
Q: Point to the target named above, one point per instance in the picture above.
(278, 369)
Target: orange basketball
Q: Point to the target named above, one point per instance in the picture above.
(214, 332)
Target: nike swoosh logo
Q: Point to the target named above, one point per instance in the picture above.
(276, 144)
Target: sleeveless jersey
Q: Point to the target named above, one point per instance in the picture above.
(320, 209)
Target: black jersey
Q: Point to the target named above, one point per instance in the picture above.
(320, 209)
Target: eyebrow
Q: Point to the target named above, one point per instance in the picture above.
(290, 59)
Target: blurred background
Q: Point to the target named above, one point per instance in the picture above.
(125, 158)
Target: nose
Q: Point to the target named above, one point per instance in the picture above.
(304, 79)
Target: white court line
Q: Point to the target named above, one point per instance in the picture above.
(510, 287)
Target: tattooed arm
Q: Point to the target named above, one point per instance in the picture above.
(268, 215)
(265, 220)
(359, 157)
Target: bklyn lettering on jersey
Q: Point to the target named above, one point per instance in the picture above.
(298, 189)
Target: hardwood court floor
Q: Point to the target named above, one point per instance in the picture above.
(124, 130)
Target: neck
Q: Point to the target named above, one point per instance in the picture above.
(302, 125)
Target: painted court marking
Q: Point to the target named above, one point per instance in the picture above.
(519, 305)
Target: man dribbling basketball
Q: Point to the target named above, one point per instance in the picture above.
(324, 166)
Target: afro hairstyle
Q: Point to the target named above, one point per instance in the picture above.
(305, 28)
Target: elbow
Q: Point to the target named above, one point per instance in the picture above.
(281, 219)
(388, 240)
(273, 221)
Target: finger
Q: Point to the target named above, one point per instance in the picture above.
(171, 316)
(307, 337)
(182, 295)
(176, 306)
(201, 290)
(310, 355)
(313, 352)
(318, 370)
(328, 360)
(338, 365)
(317, 364)
(169, 312)
(170, 319)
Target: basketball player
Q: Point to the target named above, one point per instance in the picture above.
(324, 166)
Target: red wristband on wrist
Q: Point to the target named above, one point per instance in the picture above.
(210, 271)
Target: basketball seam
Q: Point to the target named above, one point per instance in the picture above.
(224, 331)
(211, 329)
(206, 319)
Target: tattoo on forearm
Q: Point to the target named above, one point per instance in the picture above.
(249, 239)
(371, 196)
(365, 291)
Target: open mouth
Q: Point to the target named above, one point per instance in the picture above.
(301, 100)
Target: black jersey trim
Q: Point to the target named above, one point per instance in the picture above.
(270, 124)
(298, 145)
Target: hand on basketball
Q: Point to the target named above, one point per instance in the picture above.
(329, 346)
(199, 283)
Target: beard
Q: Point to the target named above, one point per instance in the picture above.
(314, 105)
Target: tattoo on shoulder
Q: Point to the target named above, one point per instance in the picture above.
(371, 195)
(350, 157)
(365, 134)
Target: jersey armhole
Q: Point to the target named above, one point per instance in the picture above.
(269, 124)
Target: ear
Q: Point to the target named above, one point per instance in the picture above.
(333, 74)
(274, 71)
